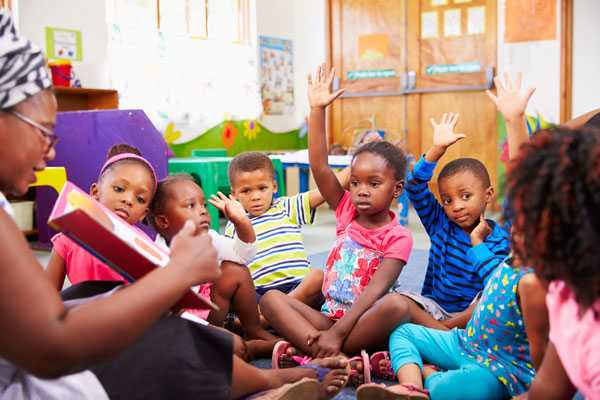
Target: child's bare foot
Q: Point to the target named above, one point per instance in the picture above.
(333, 374)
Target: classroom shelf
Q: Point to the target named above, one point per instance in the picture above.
(76, 99)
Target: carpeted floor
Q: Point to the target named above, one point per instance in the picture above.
(411, 279)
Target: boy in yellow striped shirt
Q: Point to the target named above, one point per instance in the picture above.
(281, 261)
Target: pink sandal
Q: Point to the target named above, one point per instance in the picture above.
(280, 349)
(386, 373)
(366, 372)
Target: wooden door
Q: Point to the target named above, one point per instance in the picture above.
(444, 53)
(368, 49)
(430, 57)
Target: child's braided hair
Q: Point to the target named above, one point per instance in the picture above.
(554, 195)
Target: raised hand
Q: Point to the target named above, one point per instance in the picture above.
(443, 133)
(480, 232)
(510, 100)
(232, 208)
(319, 87)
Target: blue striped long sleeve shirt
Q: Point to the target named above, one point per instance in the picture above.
(456, 270)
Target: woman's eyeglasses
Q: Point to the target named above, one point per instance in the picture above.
(48, 134)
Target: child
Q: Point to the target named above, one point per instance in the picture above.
(494, 357)
(464, 244)
(179, 199)
(281, 261)
(553, 192)
(371, 249)
(126, 186)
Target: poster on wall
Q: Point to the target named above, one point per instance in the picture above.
(63, 44)
(277, 75)
(530, 20)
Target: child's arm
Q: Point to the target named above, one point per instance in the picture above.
(532, 297)
(551, 381)
(429, 210)
(320, 96)
(511, 103)
(56, 270)
(460, 320)
(330, 342)
(314, 196)
(234, 212)
(578, 122)
(485, 257)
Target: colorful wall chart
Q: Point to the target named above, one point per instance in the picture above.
(277, 75)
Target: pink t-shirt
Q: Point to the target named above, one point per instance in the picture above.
(356, 257)
(576, 338)
(82, 266)
(391, 240)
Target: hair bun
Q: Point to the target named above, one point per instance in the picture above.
(122, 148)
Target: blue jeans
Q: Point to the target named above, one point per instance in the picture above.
(462, 379)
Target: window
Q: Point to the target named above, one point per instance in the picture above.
(226, 20)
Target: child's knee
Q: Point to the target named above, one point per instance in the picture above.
(270, 298)
(396, 307)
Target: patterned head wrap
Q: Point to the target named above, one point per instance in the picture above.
(23, 71)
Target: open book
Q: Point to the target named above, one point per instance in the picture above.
(113, 241)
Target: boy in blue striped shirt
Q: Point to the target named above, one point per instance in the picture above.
(465, 247)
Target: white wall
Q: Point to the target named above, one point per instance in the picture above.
(586, 56)
(88, 16)
(539, 61)
(303, 22)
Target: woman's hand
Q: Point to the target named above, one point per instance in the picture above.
(195, 254)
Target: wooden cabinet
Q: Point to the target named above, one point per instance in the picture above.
(75, 99)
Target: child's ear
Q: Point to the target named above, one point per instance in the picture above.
(489, 194)
(274, 186)
(94, 191)
(160, 221)
(398, 188)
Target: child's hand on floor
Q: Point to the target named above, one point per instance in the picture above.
(233, 209)
(509, 100)
(480, 232)
(325, 343)
(195, 254)
(319, 88)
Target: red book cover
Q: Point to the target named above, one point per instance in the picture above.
(113, 241)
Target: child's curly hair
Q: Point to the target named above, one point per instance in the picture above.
(554, 195)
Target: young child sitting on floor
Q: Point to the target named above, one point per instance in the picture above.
(281, 261)
(553, 191)
(371, 249)
(465, 247)
(179, 199)
(126, 186)
(496, 356)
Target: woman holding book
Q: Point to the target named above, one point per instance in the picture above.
(112, 346)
